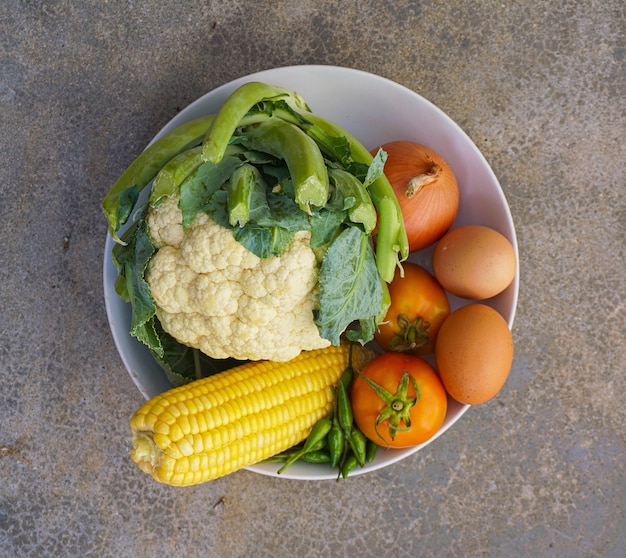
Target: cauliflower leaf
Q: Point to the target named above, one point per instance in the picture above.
(139, 252)
(349, 287)
(183, 364)
(197, 190)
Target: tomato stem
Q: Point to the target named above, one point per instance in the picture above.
(398, 405)
(412, 334)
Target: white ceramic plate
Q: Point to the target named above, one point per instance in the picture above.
(375, 110)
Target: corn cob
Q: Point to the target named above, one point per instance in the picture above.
(211, 427)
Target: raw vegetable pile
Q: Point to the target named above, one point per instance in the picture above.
(268, 170)
(241, 198)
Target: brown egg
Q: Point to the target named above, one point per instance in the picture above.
(474, 353)
(474, 262)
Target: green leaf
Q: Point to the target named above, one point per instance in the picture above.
(131, 260)
(359, 170)
(284, 212)
(142, 303)
(349, 286)
(363, 331)
(376, 168)
(324, 225)
(259, 158)
(147, 335)
(208, 178)
(281, 176)
(280, 108)
(122, 253)
(263, 241)
(337, 147)
(260, 213)
(183, 364)
(127, 200)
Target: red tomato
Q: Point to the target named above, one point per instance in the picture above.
(419, 305)
(385, 405)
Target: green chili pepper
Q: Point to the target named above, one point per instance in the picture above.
(358, 444)
(315, 441)
(319, 456)
(318, 433)
(349, 463)
(319, 445)
(347, 376)
(279, 457)
(344, 409)
(371, 448)
(336, 443)
(284, 455)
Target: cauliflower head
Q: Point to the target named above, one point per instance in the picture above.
(214, 295)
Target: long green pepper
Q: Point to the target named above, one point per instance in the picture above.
(336, 443)
(240, 188)
(358, 444)
(117, 205)
(236, 106)
(349, 464)
(301, 154)
(314, 442)
(344, 409)
(319, 456)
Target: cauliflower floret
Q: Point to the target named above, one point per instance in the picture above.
(166, 224)
(214, 295)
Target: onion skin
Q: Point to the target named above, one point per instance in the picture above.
(426, 189)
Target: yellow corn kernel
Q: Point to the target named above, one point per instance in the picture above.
(211, 427)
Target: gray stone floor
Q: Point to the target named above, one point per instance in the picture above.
(539, 86)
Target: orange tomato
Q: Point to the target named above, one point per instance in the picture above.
(398, 400)
(419, 305)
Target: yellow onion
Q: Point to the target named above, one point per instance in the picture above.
(426, 188)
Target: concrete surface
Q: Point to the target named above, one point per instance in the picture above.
(539, 86)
